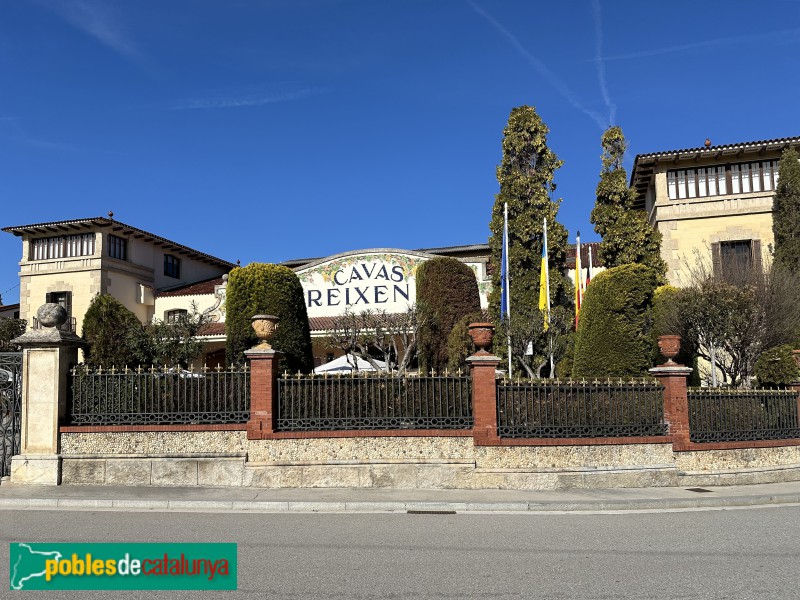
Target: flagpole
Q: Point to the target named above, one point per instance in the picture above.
(578, 277)
(508, 285)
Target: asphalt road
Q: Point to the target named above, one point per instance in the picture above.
(724, 554)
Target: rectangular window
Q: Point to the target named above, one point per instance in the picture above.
(172, 266)
(671, 185)
(64, 246)
(736, 257)
(736, 186)
(722, 181)
(681, 184)
(701, 183)
(746, 189)
(690, 183)
(117, 247)
(62, 298)
(755, 176)
(767, 168)
(712, 181)
(173, 316)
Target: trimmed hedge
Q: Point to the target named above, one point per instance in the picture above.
(776, 367)
(447, 291)
(614, 331)
(271, 289)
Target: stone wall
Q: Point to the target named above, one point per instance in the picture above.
(228, 458)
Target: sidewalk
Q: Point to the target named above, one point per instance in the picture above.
(390, 500)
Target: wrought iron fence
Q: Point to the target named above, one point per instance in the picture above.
(580, 409)
(373, 401)
(10, 408)
(159, 396)
(727, 415)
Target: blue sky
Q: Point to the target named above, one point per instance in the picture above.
(269, 130)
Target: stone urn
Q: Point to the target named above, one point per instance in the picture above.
(265, 327)
(482, 335)
(669, 345)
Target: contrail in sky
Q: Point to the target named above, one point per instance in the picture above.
(601, 66)
(539, 66)
(234, 100)
(755, 37)
(98, 21)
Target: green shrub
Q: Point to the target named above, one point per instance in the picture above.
(10, 329)
(447, 291)
(459, 342)
(270, 289)
(614, 331)
(114, 334)
(776, 367)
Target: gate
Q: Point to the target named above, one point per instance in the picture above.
(10, 408)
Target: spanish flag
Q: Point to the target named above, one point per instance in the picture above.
(544, 283)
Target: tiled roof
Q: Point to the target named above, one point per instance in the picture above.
(75, 225)
(193, 289)
(212, 329)
(774, 144)
(596, 262)
(644, 164)
(321, 323)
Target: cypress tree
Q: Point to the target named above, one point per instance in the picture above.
(526, 176)
(627, 236)
(786, 217)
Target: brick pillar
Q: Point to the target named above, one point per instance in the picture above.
(484, 398)
(676, 403)
(263, 392)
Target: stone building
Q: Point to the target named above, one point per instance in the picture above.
(711, 202)
(69, 262)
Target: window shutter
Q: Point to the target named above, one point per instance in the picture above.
(756, 249)
(716, 260)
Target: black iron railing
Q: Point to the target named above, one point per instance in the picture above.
(726, 415)
(374, 401)
(159, 396)
(580, 409)
(10, 408)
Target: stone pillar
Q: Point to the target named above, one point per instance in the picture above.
(263, 392)
(676, 403)
(48, 355)
(484, 386)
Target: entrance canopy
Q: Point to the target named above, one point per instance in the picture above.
(341, 365)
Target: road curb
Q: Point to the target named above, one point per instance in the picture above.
(420, 507)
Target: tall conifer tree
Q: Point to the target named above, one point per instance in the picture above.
(526, 175)
(786, 215)
(627, 235)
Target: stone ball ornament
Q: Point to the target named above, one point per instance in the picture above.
(51, 315)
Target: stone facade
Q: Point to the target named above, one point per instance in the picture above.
(697, 217)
